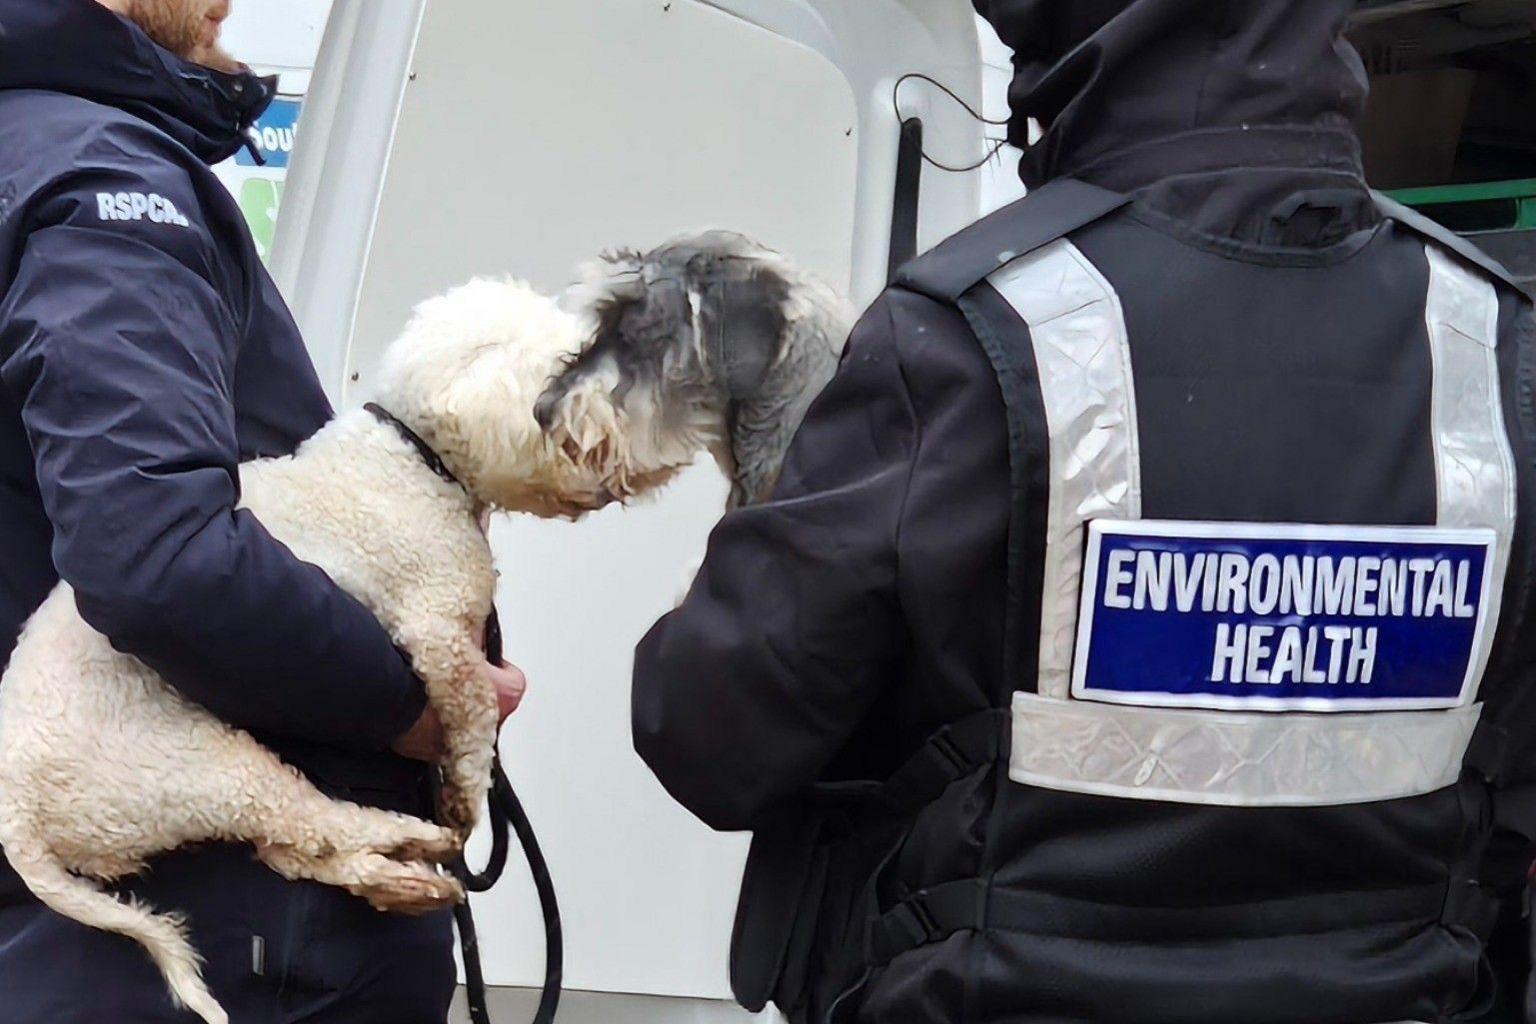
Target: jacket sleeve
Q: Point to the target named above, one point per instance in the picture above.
(745, 693)
(118, 341)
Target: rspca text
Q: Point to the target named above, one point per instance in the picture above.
(138, 206)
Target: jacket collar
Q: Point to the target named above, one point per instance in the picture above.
(81, 48)
(1232, 116)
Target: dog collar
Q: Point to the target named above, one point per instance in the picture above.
(433, 460)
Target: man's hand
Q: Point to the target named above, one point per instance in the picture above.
(424, 740)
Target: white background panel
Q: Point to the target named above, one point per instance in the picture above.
(276, 33)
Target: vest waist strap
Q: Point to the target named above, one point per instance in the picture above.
(940, 911)
(1235, 759)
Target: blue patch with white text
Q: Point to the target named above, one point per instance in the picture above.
(1276, 617)
(274, 134)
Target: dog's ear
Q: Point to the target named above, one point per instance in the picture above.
(576, 410)
(742, 320)
(608, 309)
(744, 326)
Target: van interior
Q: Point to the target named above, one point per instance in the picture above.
(1449, 128)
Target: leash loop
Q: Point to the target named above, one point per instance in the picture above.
(506, 810)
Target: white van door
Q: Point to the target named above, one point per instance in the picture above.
(445, 139)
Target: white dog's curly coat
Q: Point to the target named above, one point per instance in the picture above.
(103, 765)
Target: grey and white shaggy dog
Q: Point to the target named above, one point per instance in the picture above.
(708, 342)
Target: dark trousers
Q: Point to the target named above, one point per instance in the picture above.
(277, 952)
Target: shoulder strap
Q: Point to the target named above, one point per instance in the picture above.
(1445, 237)
(1051, 211)
(1060, 207)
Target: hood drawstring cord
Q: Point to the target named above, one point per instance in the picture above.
(249, 145)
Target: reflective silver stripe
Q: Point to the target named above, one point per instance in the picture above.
(1253, 759)
(1220, 757)
(1474, 467)
(1078, 331)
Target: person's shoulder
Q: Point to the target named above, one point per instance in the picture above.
(1052, 211)
(44, 110)
(1438, 234)
(69, 134)
(82, 164)
(917, 319)
(910, 333)
(62, 118)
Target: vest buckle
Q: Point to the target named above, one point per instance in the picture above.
(928, 916)
(908, 925)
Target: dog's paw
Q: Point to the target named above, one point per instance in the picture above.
(441, 848)
(458, 813)
(401, 888)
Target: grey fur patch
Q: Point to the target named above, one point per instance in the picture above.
(716, 329)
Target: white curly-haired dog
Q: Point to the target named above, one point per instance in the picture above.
(103, 765)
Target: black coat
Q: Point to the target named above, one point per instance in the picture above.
(878, 568)
(832, 630)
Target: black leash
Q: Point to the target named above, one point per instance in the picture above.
(506, 809)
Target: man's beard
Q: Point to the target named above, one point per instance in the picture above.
(178, 25)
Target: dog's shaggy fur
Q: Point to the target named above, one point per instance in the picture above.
(707, 342)
(103, 765)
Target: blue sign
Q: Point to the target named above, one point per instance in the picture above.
(273, 134)
(1275, 617)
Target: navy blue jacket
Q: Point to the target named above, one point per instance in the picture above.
(144, 353)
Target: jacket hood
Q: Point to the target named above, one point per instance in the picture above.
(81, 48)
(1175, 97)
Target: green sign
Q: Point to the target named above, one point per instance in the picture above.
(259, 201)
